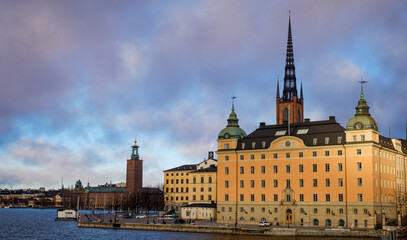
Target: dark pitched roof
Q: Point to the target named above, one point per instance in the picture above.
(403, 145)
(386, 142)
(202, 205)
(317, 129)
(212, 168)
(190, 167)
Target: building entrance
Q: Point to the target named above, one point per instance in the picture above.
(288, 217)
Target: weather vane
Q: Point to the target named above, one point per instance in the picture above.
(361, 83)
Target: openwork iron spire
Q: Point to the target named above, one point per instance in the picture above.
(290, 85)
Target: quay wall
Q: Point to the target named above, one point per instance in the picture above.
(297, 232)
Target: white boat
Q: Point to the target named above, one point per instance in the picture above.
(67, 215)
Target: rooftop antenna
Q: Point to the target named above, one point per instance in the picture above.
(233, 101)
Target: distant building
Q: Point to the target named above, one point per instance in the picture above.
(187, 185)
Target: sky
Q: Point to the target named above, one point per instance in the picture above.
(80, 80)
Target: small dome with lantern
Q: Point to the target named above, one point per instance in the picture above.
(362, 118)
(232, 130)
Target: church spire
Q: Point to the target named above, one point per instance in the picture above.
(278, 88)
(290, 85)
(301, 95)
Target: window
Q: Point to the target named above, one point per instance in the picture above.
(326, 167)
(194, 197)
(354, 138)
(288, 198)
(251, 169)
(300, 154)
(241, 170)
(327, 153)
(241, 157)
(359, 182)
(340, 197)
(287, 168)
(263, 144)
(328, 210)
(355, 211)
(194, 180)
(252, 197)
(362, 137)
(314, 141)
(226, 197)
(301, 182)
(167, 181)
(365, 211)
(275, 155)
(287, 155)
(359, 166)
(327, 182)
(172, 181)
(301, 197)
(301, 168)
(340, 210)
(226, 145)
(263, 210)
(327, 197)
(210, 179)
(314, 168)
(209, 189)
(252, 183)
(275, 197)
(263, 197)
(263, 183)
(339, 140)
(241, 183)
(263, 156)
(263, 169)
(339, 152)
(202, 197)
(202, 179)
(182, 181)
(230, 209)
(315, 182)
(209, 197)
(226, 158)
(288, 183)
(339, 167)
(358, 151)
(243, 145)
(275, 170)
(315, 196)
(226, 184)
(360, 197)
(327, 140)
(251, 156)
(281, 132)
(253, 144)
(302, 131)
(315, 210)
(226, 170)
(275, 183)
(340, 182)
(314, 153)
(241, 197)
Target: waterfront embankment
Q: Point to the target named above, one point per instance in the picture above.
(287, 232)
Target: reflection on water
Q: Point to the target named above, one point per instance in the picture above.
(41, 224)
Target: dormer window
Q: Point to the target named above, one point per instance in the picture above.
(243, 144)
(281, 133)
(226, 145)
(253, 144)
(354, 138)
(339, 140)
(314, 141)
(263, 144)
(327, 140)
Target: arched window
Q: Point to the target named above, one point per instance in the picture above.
(315, 222)
(285, 115)
(328, 223)
(341, 223)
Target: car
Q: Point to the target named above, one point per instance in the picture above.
(179, 221)
(264, 224)
(141, 216)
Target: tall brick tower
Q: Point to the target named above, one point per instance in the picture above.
(289, 108)
(134, 176)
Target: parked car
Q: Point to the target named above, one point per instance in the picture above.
(179, 221)
(264, 224)
(141, 216)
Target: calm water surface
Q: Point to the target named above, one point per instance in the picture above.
(40, 224)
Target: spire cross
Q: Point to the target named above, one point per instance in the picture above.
(233, 101)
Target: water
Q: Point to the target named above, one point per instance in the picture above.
(40, 224)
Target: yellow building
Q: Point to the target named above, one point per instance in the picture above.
(310, 173)
(189, 184)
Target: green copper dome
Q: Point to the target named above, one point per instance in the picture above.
(232, 130)
(362, 118)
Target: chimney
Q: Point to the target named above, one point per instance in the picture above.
(210, 155)
(262, 124)
(306, 120)
(332, 118)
